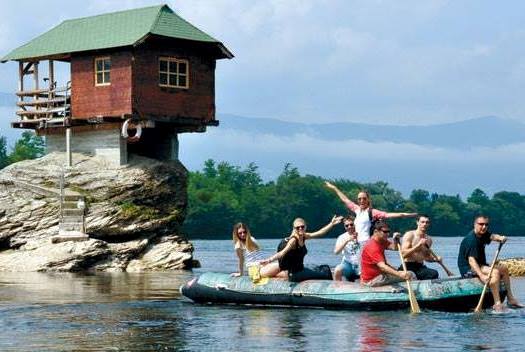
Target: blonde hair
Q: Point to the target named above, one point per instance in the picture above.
(294, 231)
(249, 244)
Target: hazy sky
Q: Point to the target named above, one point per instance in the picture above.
(398, 62)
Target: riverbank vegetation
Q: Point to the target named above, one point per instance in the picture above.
(222, 194)
(29, 146)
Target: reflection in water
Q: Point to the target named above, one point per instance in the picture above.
(101, 311)
(371, 334)
(100, 287)
(292, 327)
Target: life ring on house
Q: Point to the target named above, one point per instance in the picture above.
(126, 126)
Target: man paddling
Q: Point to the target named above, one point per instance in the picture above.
(472, 261)
(375, 271)
(416, 249)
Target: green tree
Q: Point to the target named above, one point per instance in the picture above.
(4, 161)
(29, 146)
(222, 194)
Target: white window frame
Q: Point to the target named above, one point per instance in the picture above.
(103, 71)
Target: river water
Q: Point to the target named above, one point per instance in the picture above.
(145, 312)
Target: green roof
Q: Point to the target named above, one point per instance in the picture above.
(112, 30)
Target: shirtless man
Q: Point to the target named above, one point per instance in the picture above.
(416, 249)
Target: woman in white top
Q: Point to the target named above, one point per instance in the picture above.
(364, 213)
(246, 247)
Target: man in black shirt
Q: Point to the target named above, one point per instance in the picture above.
(472, 261)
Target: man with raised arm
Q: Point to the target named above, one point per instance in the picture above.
(351, 249)
(416, 249)
(472, 261)
(375, 271)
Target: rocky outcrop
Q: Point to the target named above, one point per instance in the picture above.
(133, 218)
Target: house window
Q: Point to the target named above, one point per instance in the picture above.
(102, 71)
(173, 73)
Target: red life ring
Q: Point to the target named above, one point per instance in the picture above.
(138, 133)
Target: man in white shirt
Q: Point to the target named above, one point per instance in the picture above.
(351, 248)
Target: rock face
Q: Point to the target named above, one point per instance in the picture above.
(133, 218)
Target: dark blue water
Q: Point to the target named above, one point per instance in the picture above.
(144, 312)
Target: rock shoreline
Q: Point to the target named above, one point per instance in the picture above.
(133, 218)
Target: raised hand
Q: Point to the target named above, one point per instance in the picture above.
(396, 237)
(330, 185)
(336, 219)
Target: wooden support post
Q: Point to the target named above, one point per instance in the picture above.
(51, 85)
(69, 156)
(21, 82)
(35, 78)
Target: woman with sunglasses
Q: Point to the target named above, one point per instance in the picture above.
(365, 215)
(291, 257)
(348, 244)
(248, 250)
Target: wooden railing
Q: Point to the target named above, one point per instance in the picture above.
(51, 105)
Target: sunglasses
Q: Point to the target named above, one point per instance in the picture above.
(349, 225)
(300, 227)
(241, 232)
(385, 231)
(482, 223)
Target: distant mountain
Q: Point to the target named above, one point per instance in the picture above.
(489, 131)
(7, 99)
(452, 158)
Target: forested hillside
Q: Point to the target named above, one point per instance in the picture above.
(222, 194)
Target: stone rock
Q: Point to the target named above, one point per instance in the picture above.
(134, 214)
(65, 256)
(167, 253)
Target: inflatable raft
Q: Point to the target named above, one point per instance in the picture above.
(449, 294)
(516, 266)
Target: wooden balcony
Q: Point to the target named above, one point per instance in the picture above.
(47, 107)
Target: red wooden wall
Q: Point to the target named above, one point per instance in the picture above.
(198, 101)
(135, 85)
(88, 100)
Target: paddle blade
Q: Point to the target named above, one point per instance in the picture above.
(414, 306)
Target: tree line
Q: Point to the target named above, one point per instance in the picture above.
(29, 146)
(222, 194)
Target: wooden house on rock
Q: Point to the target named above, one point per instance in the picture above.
(138, 78)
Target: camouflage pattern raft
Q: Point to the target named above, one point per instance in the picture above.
(516, 266)
(450, 294)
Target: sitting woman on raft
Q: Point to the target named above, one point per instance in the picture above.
(248, 250)
(291, 257)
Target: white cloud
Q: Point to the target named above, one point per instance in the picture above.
(300, 144)
(379, 61)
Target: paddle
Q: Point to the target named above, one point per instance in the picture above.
(414, 306)
(449, 273)
(480, 303)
